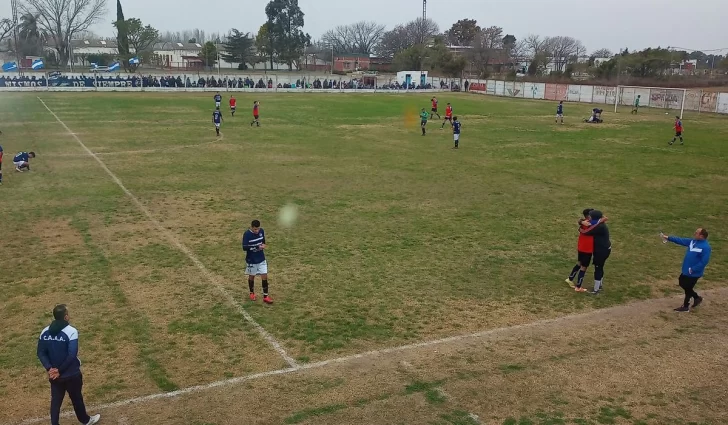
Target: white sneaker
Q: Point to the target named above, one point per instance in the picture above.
(94, 419)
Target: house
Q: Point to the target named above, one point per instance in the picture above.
(360, 62)
(82, 49)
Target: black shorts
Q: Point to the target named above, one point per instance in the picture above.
(600, 258)
(255, 117)
(448, 118)
(434, 110)
(678, 134)
(584, 258)
(423, 123)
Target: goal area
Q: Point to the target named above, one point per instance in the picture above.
(651, 97)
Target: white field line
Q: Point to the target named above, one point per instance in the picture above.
(212, 278)
(611, 311)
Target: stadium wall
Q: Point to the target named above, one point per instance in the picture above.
(695, 99)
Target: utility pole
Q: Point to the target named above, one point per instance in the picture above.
(15, 11)
(424, 9)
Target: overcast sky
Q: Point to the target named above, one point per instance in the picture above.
(614, 24)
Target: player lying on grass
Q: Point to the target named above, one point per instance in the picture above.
(584, 251)
(596, 116)
(22, 161)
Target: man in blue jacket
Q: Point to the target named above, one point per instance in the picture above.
(58, 352)
(693, 267)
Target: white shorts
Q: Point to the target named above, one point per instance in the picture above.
(19, 163)
(559, 115)
(257, 269)
(217, 104)
(456, 137)
(217, 125)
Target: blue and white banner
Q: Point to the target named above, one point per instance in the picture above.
(38, 64)
(114, 67)
(65, 81)
(94, 65)
(134, 61)
(10, 66)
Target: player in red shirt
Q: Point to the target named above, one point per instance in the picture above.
(678, 131)
(448, 116)
(585, 249)
(434, 109)
(233, 105)
(256, 114)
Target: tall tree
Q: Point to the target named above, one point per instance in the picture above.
(564, 50)
(31, 38)
(462, 32)
(360, 37)
(208, 54)
(487, 45)
(420, 31)
(285, 20)
(141, 37)
(122, 37)
(394, 41)
(238, 49)
(6, 27)
(63, 19)
(602, 53)
(264, 44)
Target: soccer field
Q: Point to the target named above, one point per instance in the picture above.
(399, 240)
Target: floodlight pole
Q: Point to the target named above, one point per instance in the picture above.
(424, 9)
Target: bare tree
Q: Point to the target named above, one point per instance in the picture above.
(360, 37)
(394, 41)
(6, 27)
(64, 19)
(422, 31)
(535, 45)
(564, 50)
(488, 44)
(602, 53)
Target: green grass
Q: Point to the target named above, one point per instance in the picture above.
(399, 238)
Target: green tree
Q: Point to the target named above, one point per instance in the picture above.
(285, 20)
(208, 54)
(462, 32)
(122, 38)
(238, 49)
(264, 45)
(31, 37)
(140, 39)
(411, 59)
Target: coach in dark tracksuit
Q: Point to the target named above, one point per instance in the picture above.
(58, 352)
(602, 246)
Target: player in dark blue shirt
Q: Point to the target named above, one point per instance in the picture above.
(256, 265)
(456, 132)
(218, 100)
(22, 161)
(560, 112)
(217, 120)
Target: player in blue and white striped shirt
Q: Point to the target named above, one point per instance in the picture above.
(256, 265)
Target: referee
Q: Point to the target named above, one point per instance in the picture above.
(58, 352)
(696, 259)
